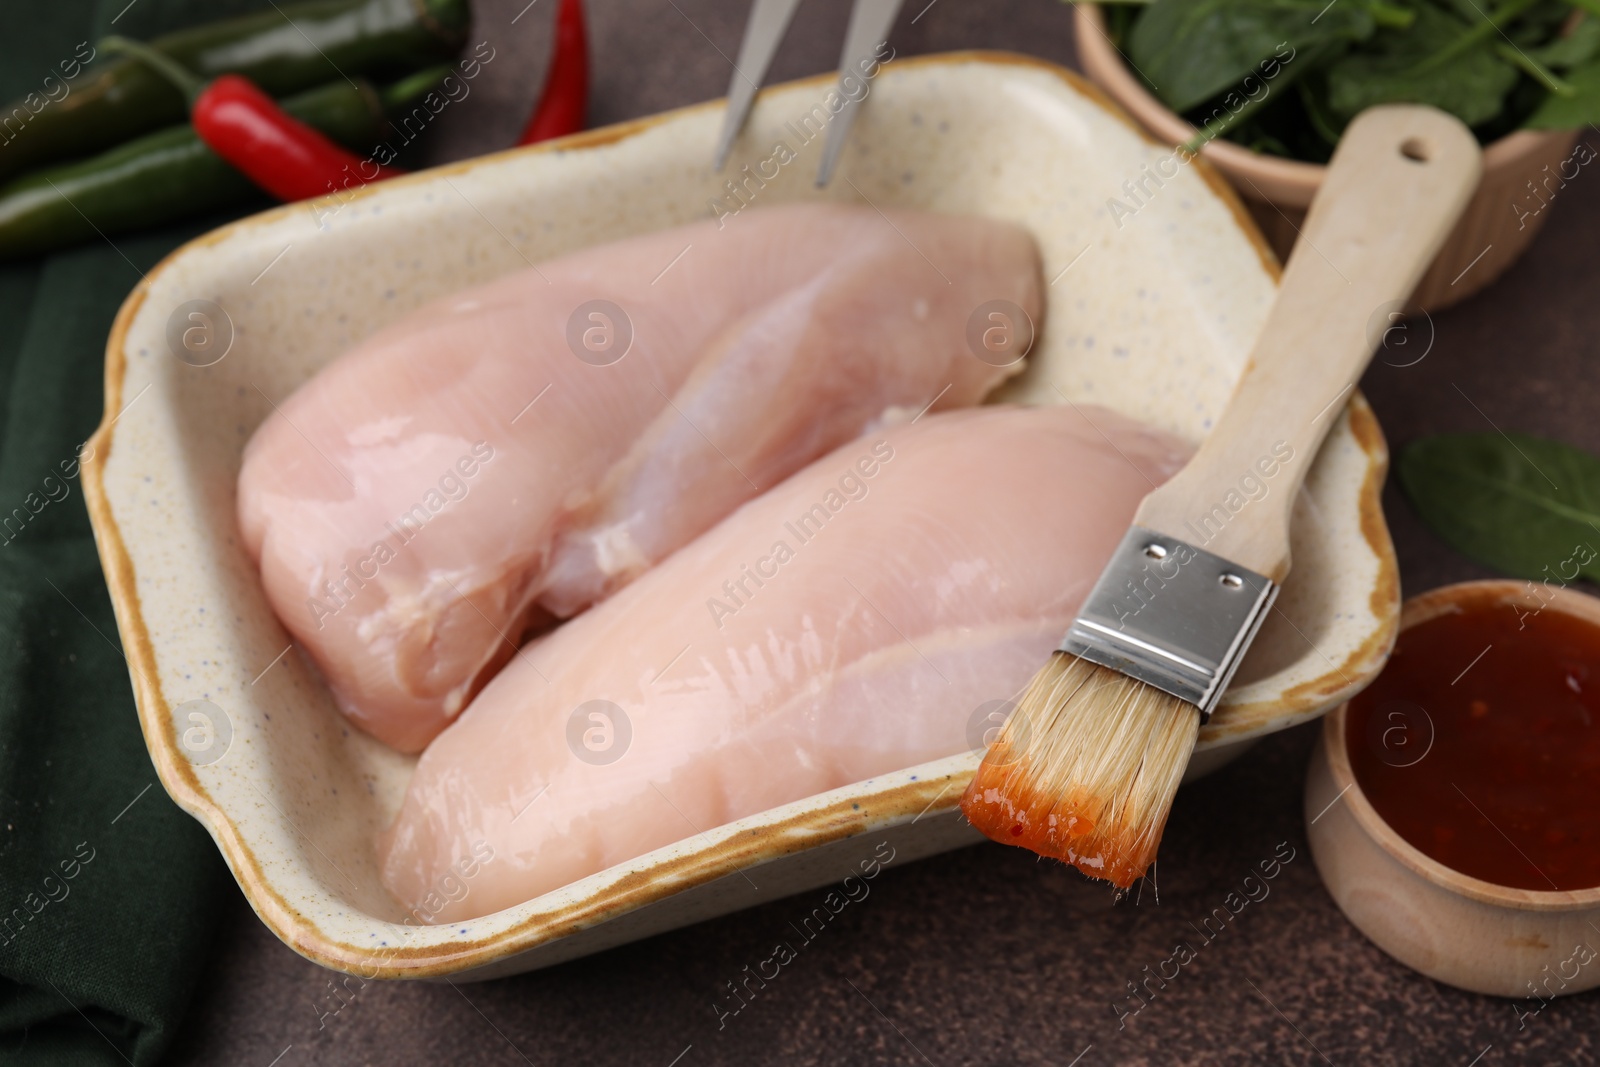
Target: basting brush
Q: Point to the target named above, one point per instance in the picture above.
(1085, 769)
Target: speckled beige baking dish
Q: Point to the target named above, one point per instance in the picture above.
(1153, 317)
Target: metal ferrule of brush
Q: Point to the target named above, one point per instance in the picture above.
(1171, 615)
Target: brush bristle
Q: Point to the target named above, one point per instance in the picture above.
(1085, 769)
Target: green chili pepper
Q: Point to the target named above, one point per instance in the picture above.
(170, 175)
(284, 50)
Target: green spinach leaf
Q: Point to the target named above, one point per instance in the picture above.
(1577, 47)
(1471, 85)
(1535, 27)
(1191, 50)
(1518, 503)
(1575, 111)
(1470, 11)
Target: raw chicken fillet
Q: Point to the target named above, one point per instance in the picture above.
(518, 450)
(862, 617)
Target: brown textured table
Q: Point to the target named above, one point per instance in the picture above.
(985, 955)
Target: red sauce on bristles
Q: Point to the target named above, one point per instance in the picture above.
(1085, 769)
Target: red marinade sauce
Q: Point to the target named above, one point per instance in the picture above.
(1479, 743)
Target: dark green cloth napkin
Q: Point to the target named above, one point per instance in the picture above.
(109, 893)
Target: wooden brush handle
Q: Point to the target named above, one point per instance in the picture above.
(1397, 182)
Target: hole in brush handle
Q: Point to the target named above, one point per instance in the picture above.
(1416, 149)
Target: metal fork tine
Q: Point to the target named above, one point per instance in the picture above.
(768, 21)
(870, 21)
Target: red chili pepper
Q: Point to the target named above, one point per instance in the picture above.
(565, 97)
(278, 152)
(246, 127)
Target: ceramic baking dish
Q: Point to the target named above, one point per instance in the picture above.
(1151, 315)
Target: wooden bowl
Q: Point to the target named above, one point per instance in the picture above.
(1498, 225)
(1460, 930)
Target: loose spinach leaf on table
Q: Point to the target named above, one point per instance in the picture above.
(1191, 50)
(1400, 67)
(1575, 111)
(1518, 503)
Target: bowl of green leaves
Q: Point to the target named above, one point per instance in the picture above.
(1262, 89)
